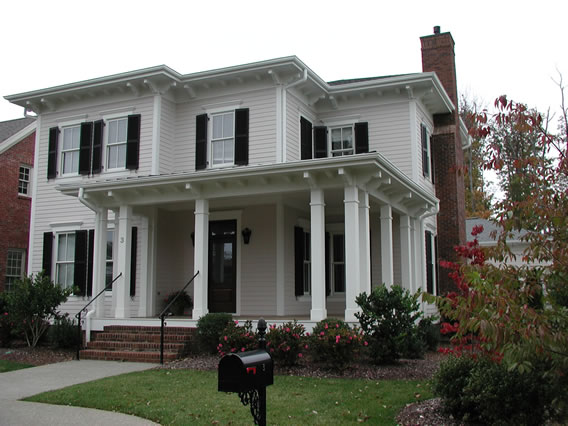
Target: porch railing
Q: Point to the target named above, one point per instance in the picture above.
(84, 308)
(165, 313)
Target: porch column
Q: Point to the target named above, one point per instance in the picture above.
(419, 255)
(406, 252)
(151, 265)
(352, 267)
(144, 267)
(201, 258)
(317, 227)
(387, 269)
(121, 286)
(280, 259)
(364, 243)
(99, 260)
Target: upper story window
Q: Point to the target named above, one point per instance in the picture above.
(223, 138)
(116, 143)
(427, 165)
(15, 263)
(81, 149)
(70, 150)
(24, 180)
(339, 140)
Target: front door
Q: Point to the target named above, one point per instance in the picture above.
(222, 296)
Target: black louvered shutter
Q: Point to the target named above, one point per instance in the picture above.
(298, 261)
(90, 262)
(241, 136)
(133, 254)
(85, 144)
(52, 153)
(133, 142)
(361, 137)
(327, 266)
(429, 263)
(305, 139)
(436, 265)
(80, 264)
(201, 142)
(98, 127)
(47, 253)
(320, 142)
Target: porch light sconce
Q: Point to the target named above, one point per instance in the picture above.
(193, 239)
(246, 235)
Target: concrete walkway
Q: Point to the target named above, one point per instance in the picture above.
(18, 384)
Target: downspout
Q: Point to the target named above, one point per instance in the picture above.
(301, 80)
(91, 206)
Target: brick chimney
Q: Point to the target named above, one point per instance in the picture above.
(438, 56)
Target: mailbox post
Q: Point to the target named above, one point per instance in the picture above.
(248, 374)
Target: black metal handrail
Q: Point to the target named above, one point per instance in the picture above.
(165, 312)
(78, 314)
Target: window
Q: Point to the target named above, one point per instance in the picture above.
(109, 259)
(14, 267)
(338, 263)
(431, 255)
(24, 180)
(70, 150)
(341, 141)
(116, 143)
(426, 172)
(65, 260)
(307, 264)
(223, 138)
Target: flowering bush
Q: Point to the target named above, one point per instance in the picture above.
(286, 343)
(334, 343)
(236, 338)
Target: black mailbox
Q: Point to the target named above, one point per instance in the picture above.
(245, 371)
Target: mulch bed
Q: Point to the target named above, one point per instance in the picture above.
(416, 414)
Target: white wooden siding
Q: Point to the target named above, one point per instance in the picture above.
(167, 136)
(262, 126)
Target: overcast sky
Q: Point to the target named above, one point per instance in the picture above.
(502, 47)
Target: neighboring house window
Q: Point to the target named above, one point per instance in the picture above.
(336, 141)
(222, 138)
(14, 267)
(65, 259)
(338, 263)
(341, 142)
(426, 162)
(225, 142)
(24, 180)
(109, 259)
(70, 150)
(116, 143)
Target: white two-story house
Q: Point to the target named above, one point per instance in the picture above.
(287, 194)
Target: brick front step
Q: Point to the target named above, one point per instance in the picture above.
(126, 355)
(137, 343)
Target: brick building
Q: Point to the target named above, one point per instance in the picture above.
(17, 141)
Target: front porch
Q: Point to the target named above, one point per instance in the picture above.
(321, 232)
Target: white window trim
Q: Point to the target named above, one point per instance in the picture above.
(29, 181)
(55, 250)
(60, 150)
(222, 107)
(330, 149)
(427, 176)
(22, 265)
(105, 143)
(210, 138)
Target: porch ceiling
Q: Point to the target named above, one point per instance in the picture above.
(370, 172)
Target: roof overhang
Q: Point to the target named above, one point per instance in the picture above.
(371, 172)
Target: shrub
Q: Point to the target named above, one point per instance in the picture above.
(486, 392)
(388, 319)
(334, 343)
(209, 330)
(63, 333)
(32, 304)
(182, 302)
(237, 338)
(5, 326)
(429, 332)
(286, 343)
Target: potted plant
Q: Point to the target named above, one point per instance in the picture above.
(182, 302)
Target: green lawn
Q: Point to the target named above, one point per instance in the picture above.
(182, 397)
(11, 366)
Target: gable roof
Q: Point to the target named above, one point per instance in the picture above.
(11, 127)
